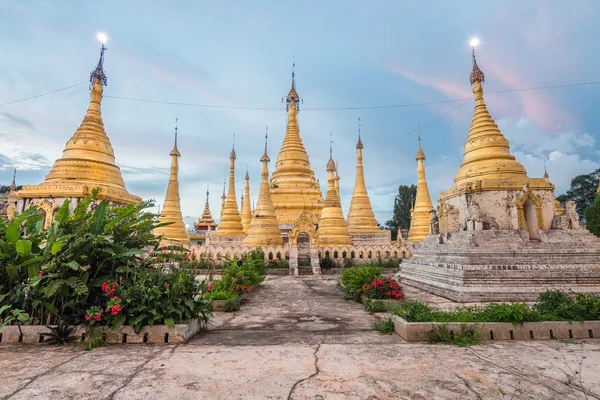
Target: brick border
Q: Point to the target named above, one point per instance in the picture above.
(418, 331)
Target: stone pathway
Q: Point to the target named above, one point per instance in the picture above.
(297, 338)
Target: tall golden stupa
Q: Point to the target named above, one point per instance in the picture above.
(230, 226)
(420, 213)
(174, 232)
(264, 228)
(333, 230)
(88, 162)
(294, 188)
(246, 214)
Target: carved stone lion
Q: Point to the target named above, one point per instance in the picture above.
(569, 219)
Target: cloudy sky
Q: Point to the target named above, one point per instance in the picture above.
(349, 55)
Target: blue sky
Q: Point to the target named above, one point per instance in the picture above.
(348, 54)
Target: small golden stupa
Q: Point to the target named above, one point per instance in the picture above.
(332, 226)
(246, 211)
(223, 198)
(420, 217)
(88, 160)
(175, 232)
(230, 224)
(264, 228)
(294, 188)
(361, 218)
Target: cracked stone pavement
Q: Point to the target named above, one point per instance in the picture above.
(298, 338)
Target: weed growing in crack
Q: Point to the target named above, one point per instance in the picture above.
(467, 335)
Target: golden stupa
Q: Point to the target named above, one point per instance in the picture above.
(175, 232)
(88, 159)
(206, 221)
(230, 224)
(223, 198)
(294, 188)
(420, 217)
(246, 211)
(332, 226)
(361, 218)
(487, 163)
(264, 228)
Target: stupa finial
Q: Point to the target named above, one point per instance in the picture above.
(98, 72)
(330, 163)
(420, 152)
(477, 74)
(13, 185)
(232, 155)
(292, 94)
(359, 144)
(265, 157)
(175, 151)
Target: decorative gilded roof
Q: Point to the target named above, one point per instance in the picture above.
(294, 188)
(205, 222)
(361, 218)
(420, 218)
(174, 232)
(88, 160)
(230, 224)
(264, 227)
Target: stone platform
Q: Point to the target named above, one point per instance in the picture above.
(504, 265)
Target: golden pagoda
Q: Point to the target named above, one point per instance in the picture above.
(230, 224)
(264, 228)
(332, 226)
(223, 198)
(487, 163)
(175, 232)
(337, 179)
(420, 217)
(294, 188)
(361, 218)
(88, 159)
(246, 211)
(205, 222)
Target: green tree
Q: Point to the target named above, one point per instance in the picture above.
(6, 188)
(402, 205)
(582, 192)
(592, 216)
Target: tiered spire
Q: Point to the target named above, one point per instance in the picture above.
(13, 185)
(230, 224)
(332, 226)
(175, 231)
(223, 198)
(246, 211)
(420, 218)
(487, 152)
(294, 188)
(264, 228)
(88, 159)
(361, 218)
(205, 222)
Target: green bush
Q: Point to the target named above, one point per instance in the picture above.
(558, 305)
(327, 263)
(353, 279)
(467, 335)
(385, 326)
(374, 305)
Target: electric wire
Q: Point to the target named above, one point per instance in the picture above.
(43, 94)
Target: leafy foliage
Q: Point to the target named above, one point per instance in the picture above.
(327, 263)
(374, 305)
(402, 205)
(353, 279)
(384, 326)
(582, 191)
(467, 335)
(62, 333)
(592, 216)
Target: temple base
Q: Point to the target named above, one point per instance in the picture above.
(504, 265)
(377, 238)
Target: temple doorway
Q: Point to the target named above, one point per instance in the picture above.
(530, 219)
(303, 244)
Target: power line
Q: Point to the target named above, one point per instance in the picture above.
(43, 94)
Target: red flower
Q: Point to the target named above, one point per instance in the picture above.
(167, 284)
(117, 298)
(87, 318)
(389, 293)
(210, 287)
(41, 273)
(121, 278)
(98, 316)
(105, 286)
(115, 309)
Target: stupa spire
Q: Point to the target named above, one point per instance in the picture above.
(264, 228)
(420, 218)
(205, 222)
(223, 197)
(175, 231)
(361, 218)
(230, 224)
(13, 185)
(246, 210)
(332, 226)
(88, 159)
(294, 188)
(487, 152)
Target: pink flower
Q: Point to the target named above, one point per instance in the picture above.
(87, 318)
(98, 316)
(104, 286)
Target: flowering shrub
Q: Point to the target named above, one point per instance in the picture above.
(383, 289)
